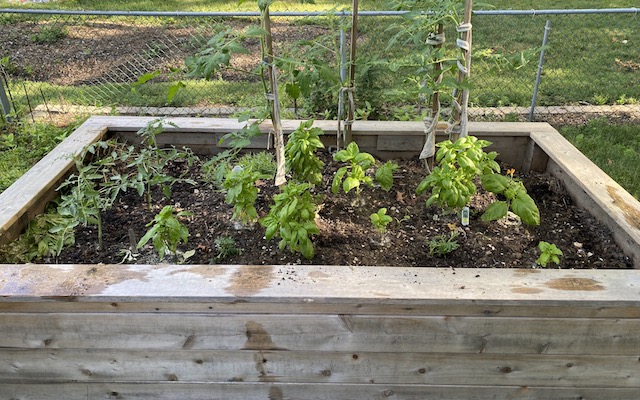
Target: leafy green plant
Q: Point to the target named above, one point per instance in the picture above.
(150, 162)
(516, 196)
(459, 163)
(46, 236)
(49, 34)
(82, 200)
(242, 193)
(226, 247)
(300, 153)
(443, 244)
(380, 220)
(384, 175)
(353, 175)
(549, 252)
(166, 232)
(292, 218)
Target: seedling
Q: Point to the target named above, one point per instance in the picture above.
(292, 218)
(166, 232)
(549, 252)
(353, 173)
(380, 220)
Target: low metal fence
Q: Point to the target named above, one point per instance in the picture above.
(55, 60)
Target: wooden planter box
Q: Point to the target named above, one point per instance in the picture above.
(323, 332)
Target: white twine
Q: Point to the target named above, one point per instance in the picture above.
(435, 39)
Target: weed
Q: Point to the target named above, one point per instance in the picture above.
(443, 244)
(226, 248)
(49, 34)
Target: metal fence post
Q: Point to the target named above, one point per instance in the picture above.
(545, 40)
(4, 100)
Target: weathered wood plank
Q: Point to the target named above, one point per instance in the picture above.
(320, 284)
(594, 190)
(28, 196)
(66, 366)
(281, 391)
(581, 336)
(424, 307)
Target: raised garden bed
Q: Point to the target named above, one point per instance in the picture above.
(203, 331)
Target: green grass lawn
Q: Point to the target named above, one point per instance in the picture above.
(614, 148)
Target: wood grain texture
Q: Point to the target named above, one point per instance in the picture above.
(71, 365)
(426, 307)
(594, 190)
(299, 332)
(282, 391)
(320, 285)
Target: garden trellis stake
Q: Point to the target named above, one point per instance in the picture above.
(459, 117)
(272, 97)
(352, 75)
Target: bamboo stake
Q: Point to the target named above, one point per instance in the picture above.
(352, 73)
(459, 125)
(273, 99)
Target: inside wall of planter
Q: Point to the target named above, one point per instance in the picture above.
(292, 331)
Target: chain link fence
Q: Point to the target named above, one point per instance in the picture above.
(127, 63)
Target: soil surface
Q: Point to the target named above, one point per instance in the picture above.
(347, 236)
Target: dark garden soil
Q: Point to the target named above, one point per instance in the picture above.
(347, 236)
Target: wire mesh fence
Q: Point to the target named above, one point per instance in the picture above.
(128, 63)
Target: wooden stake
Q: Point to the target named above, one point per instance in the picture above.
(352, 73)
(460, 118)
(274, 100)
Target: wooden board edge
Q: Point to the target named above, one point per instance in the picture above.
(592, 189)
(30, 193)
